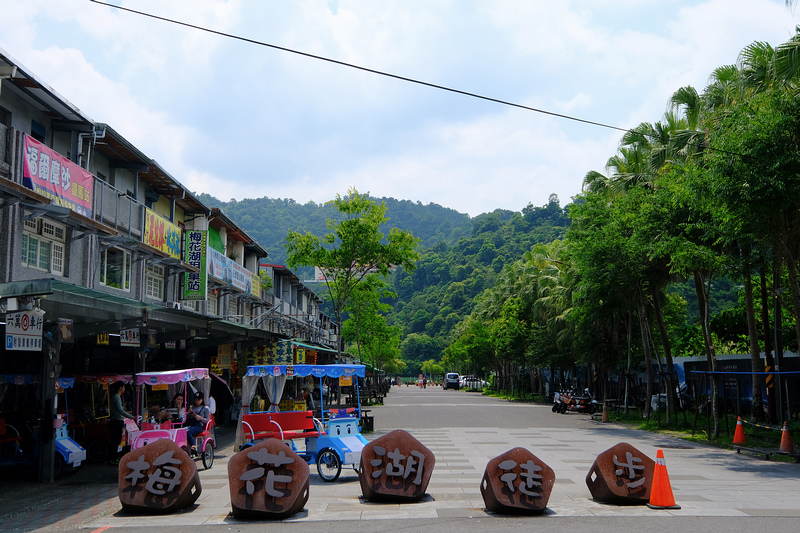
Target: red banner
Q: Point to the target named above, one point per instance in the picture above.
(53, 175)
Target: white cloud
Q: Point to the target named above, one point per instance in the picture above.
(238, 120)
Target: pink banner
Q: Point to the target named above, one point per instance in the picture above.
(53, 175)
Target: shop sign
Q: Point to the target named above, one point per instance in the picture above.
(161, 234)
(129, 337)
(195, 284)
(66, 332)
(229, 271)
(255, 285)
(50, 174)
(225, 356)
(24, 331)
(104, 339)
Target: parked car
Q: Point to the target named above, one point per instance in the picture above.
(451, 381)
(472, 382)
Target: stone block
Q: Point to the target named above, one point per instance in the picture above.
(268, 481)
(622, 475)
(517, 482)
(158, 478)
(395, 468)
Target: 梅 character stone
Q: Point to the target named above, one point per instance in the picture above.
(158, 478)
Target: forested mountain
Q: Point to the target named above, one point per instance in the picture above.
(442, 290)
(268, 220)
(460, 256)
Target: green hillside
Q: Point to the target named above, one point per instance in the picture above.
(460, 256)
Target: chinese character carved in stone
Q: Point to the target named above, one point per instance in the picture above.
(621, 474)
(395, 468)
(517, 482)
(268, 480)
(158, 478)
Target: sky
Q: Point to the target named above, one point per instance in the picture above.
(236, 119)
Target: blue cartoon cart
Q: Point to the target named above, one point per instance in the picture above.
(20, 439)
(331, 442)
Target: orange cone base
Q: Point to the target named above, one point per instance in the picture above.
(651, 506)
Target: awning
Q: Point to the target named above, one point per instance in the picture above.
(312, 347)
(318, 371)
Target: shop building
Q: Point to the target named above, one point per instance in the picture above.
(108, 265)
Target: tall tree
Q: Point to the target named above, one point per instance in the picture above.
(353, 248)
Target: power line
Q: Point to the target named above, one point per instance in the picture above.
(393, 76)
(365, 69)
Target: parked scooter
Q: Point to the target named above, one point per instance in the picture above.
(584, 403)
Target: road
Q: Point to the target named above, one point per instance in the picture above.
(718, 490)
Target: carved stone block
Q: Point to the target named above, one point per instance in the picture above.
(395, 468)
(517, 482)
(622, 475)
(268, 481)
(158, 478)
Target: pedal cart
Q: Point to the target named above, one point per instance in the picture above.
(330, 443)
(150, 387)
(20, 443)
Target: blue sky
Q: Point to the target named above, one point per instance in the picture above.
(238, 120)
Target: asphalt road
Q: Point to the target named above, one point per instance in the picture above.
(718, 490)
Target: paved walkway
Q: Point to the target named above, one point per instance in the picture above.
(706, 481)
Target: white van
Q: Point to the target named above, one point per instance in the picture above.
(451, 381)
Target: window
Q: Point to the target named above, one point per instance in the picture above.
(213, 302)
(38, 131)
(189, 304)
(115, 269)
(233, 310)
(43, 245)
(154, 282)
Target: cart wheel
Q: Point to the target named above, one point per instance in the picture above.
(328, 465)
(208, 455)
(58, 465)
(98, 450)
(71, 469)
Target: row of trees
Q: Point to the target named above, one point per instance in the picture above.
(711, 190)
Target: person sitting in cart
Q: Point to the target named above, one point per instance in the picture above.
(197, 418)
(177, 409)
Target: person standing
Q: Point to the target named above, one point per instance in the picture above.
(118, 415)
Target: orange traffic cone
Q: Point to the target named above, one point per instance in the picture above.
(786, 439)
(738, 435)
(661, 492)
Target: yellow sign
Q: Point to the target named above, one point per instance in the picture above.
(161, 234)
(103, 338)
(345, 381)
(162, 386)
